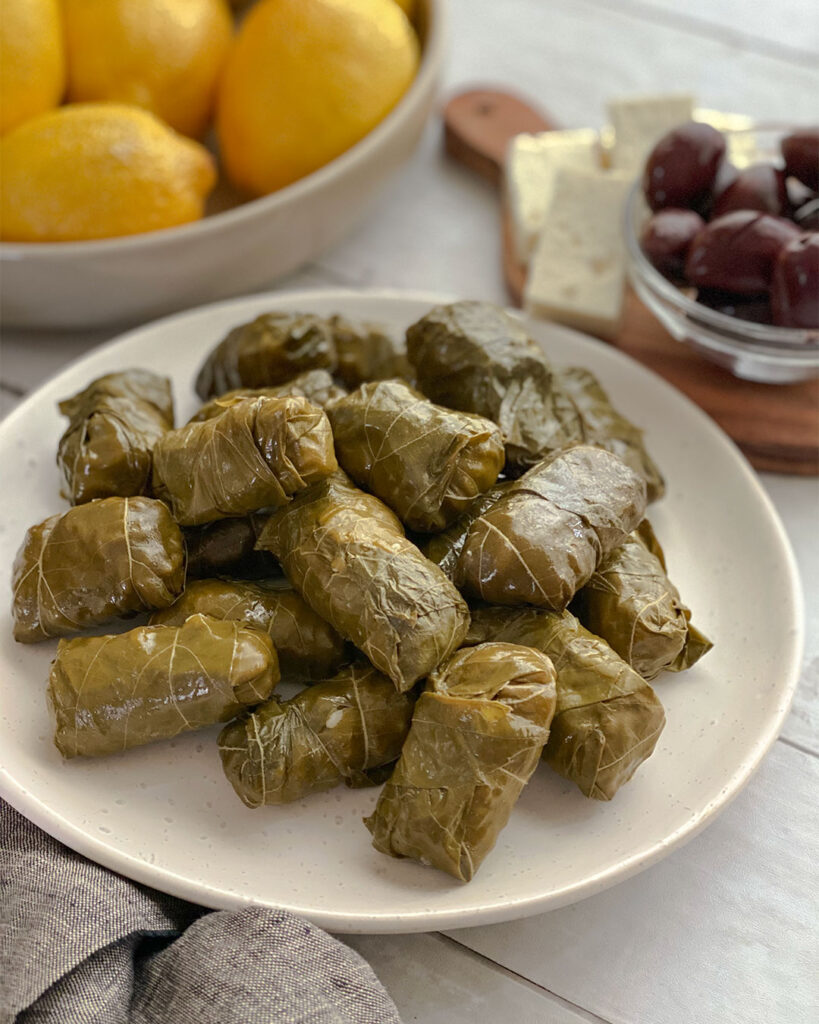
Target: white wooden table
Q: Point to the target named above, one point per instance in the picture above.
(724, 930)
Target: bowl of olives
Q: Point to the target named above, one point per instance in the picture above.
(722, 236)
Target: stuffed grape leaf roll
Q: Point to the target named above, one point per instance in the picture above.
(227, 547)
(109, 693)
(271, 349)
(424, 461)
(587, 417)
(114, 424)
(307, 646)
(632, 604)
(547, 534)
(341, 730)
(608, 719)
(106, 558)
(444, 548)
(474, 357)
(366, 352)
(476, 737)
(254, 455)
(346, 553)
(317, 386)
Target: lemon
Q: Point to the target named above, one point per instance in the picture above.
(305, 80)
(407, 6)
(163, 55)
(97, 170)
(32, 62)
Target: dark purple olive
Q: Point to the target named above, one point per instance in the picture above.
(801, 152)
(795, 284)
(758, 187)
(682, 166)
(756, 309)
(666, 238)
(736, 252)
(807, 216)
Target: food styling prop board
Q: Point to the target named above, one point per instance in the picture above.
(775, 425)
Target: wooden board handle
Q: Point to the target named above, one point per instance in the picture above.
(479, 124)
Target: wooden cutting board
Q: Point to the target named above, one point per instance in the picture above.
(775, 425)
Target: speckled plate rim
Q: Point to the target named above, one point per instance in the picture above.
(49, 818)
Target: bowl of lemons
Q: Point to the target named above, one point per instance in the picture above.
(157, 154)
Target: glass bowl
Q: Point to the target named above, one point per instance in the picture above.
(752, 351)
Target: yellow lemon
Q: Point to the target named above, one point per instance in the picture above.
(98, 170)
(32, 62)
(163, 55)
(407, 6)
(304, 81)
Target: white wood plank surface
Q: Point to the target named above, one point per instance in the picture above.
(572, 55)
(436, 981)
(723, 930)
(797, 501)
(792, 26)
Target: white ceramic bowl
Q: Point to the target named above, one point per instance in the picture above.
(118, 281)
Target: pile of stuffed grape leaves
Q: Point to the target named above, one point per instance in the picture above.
(545, 536)
(110, 693)
(114, 424)
(307, 645)
(227, 547)
(426, 462)
(474, 357)
(346, 554)
(438, 548)
(477, 733)
(255, 454)
(107, 558)
(341, 730)
(317, 386)
(608, 719)
(632, 604)
(272, 349)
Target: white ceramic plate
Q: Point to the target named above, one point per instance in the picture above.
(166, 816)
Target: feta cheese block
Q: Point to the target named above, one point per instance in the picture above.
(639, 122)
(577, 272)
(531, 164)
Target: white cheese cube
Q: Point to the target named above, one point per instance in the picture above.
(531, 163)
(578, 268)
(641, 121)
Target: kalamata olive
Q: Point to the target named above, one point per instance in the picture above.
(666, 238)
(682, 166)
(795, 284)
(757, 308)
(801, 152)
(758, 187)
(807, 216)
(736, 252)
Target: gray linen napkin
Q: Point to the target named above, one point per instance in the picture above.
(82, 945)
